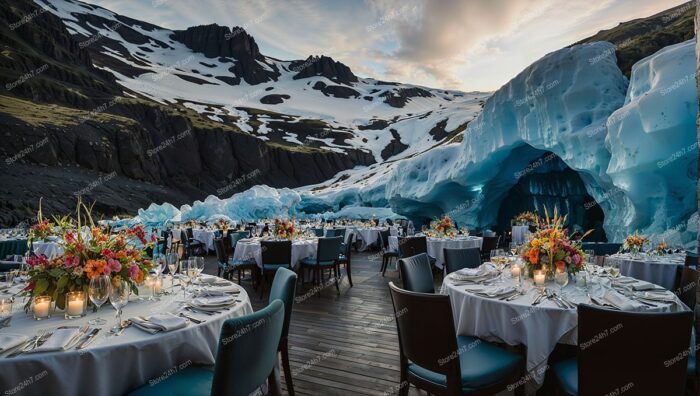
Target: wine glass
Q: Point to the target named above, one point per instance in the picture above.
(158, 263)
(98, 290)
(561, 278)
(199, 264)
(513, 248)
(192, 269)
(172, 258)
(119, 297)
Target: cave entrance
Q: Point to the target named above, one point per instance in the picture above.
(548, 181)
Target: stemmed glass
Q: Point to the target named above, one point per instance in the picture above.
(561, 278)
(171, 260)
(119, 297)
(513, 248)
(199, 264)
(98, 290)
(158, 262)
(192, 269)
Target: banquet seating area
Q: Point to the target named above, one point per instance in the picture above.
(269, 307)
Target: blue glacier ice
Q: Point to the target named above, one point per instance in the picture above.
(632, 146)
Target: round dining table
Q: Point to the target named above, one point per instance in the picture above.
(537, 326)
(436, 246)
(247, 249)
(47, 248)
(205, 236)
(661, 270)
(116, 365)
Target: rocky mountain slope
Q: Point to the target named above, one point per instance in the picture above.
(98, 104)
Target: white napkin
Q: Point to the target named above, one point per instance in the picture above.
(214, 281)
(642, 286)
(214, 301)
(9, 341)
(160, 322)
(490, 291)
(482, 271)
(656, 296)
(219, 291)
(619, 301)
(58, 341)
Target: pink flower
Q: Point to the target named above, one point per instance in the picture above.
(576, 258)
(71, 261)
(114, 265)
(133, 271)
(106, 270)
(107, 253)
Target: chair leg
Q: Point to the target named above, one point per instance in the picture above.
(239, 276)
(348, 271)
(386, 264)
(336, 270)
(284, 346)
(263, 280)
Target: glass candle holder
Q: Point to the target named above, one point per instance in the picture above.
(76, 304)
(539, 276)
(41, 307)
(516, 272)
(5, 312)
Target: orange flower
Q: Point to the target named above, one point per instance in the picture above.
(534, 256)
(120, 255)
(94, 268)
(139, 277)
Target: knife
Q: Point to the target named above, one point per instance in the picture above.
(88, 340)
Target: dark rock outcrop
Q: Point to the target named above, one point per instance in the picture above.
(323, 66)
(274, 99)
(337, 91)
(399, 98)
(395, 147)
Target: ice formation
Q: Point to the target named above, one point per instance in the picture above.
(633, 144)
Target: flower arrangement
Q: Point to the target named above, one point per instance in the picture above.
(661, 248)
(283, 229)
(634, 243)
(444, 225)
(86, 257)
(526, 218)
(222, 224)
(552, 248)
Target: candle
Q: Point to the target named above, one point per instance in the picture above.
(515, 271)
(75, 304)
(158, 285)
(539, 278)
(5, 307)
(42, 304)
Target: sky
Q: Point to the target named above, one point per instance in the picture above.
(468, 45)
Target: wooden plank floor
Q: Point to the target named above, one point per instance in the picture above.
(343, 343)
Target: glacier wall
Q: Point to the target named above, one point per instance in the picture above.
(632, 143)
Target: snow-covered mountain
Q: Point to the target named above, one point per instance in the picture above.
(221, 74)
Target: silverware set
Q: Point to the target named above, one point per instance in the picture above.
(83, 340)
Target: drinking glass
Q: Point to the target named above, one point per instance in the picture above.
(158, 263)
(561, 278)
(513, 248)
(119, 297)
(171, 260)
(98, 291)
(199, 264)
(192, 269)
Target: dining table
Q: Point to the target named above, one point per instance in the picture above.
(662, 270)
(519, 233)
(250, 248)
(511, 310)
(437, 244)
(206, 236)
(117, 364)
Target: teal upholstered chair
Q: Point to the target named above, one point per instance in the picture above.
(284, 289)
(275, 255)
(345, 257)
(246, 263)
(456, 259)
(636, 349)
(243, 362)
(416, 273)
(435, 359)
(318, 232)
(327, 255)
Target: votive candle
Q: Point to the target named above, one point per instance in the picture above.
(42, 306)
(539, 278)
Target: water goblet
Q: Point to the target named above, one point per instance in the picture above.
(98, 291)
(119, 297)
(561, 278)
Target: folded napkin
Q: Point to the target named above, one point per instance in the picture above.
(490, 291)
(621, 302)
(219, 291)
(658, 296)
(159, 322)
(482, 272)
(9, 341)
(214, 301)
(60, 340)
(642, 286)
(214, 281)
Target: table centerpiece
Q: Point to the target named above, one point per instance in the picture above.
(635, 243)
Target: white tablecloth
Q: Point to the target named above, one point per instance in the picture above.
(48, 249)
(436, 246)
(517, 322)
(520, 234)
(365, 236)
(114, 365)
(660, 270)
(251, 249)
(204, 236)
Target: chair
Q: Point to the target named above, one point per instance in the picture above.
(275, 255)
(456, 259)
(189, 243)
(691, 260)
(284, 289)
(387, 255)
(242, 363)
(226, 267)
(411, 246)
(490, 243)
(345, 257)
(687, 285)
(416, 274)
(318, 232)
(435, 359)
(241, 265)
(327, 254)
(618, 349)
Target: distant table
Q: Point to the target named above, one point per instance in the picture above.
(48, 249)
(436, 246)
(654, 269)
(202, 235)
(247, 249)
(519, 233)
(10, 247)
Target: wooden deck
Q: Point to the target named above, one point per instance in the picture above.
(344, 343)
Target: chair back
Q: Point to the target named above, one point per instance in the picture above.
(234, 237)
(328, 248)
(384, 239)
(340, 232)
(411, 246)
(416, 273)
(426, 332)
(318, 232)
(218, 233)
(456, 259)
(490, 243)
(687, 286)
(691, 260)
(183, 238)
(220, 251)
(190, 233)
(247, 351)
(284, 288)
(615, 351)
(276, 252)
(348, 247)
